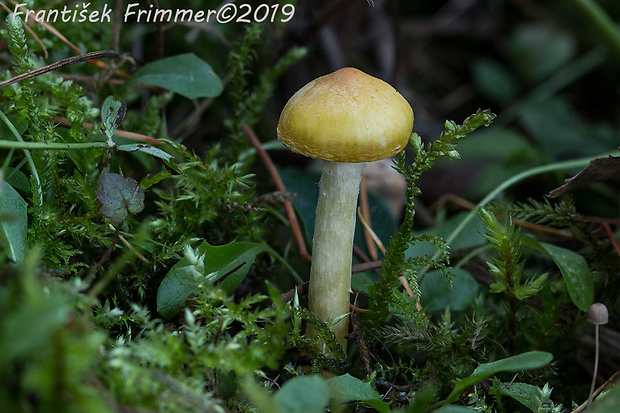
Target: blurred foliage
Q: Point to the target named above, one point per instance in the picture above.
(104, 235)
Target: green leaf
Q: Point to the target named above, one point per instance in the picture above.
(153, 151)
(13, 222)
(225, 266)
(258, 395)
(575, 271)
(437, 293)
(112, 114)
(185, 74)
(525, 361)
(20, 123)
(304, 394)
(606, 402)
(18, 180)
(349, 388)
(494, 81)
(526, 394)
(562, 133)
(151, 180)
(455, 409)
(538, 50)
(42, 315)
(119, 196)
(422, 399)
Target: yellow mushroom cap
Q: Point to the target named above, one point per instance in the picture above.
(346, 116)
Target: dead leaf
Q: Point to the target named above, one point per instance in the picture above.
(599, 169)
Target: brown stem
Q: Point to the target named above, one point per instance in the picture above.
(61, 63)
(358, 335)
(365, 208)
(612, 238)
(366, 266)
(118, 132)
(100, 285)
(277, 181)
(109, 251)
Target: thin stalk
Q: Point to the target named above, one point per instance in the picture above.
(7, 160)
(595, 365)
(58, 146)
(107, 254)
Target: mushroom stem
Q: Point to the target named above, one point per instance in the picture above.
(595, 373)
(332, 248)
(597, 315)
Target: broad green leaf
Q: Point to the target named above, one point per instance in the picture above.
(185, 74)
(526, 394)
(13, 222)
(225, 266)
(437, 293)
(575, 271)
(349, 388)
(303, 394)
(525, 361)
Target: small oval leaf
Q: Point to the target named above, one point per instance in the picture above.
(224, 265)
(185, 74)
(303, 394)
(349, 388)
(524, 361)
(575, 271)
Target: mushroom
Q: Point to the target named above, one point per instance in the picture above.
(597, 315)
(345, 118)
